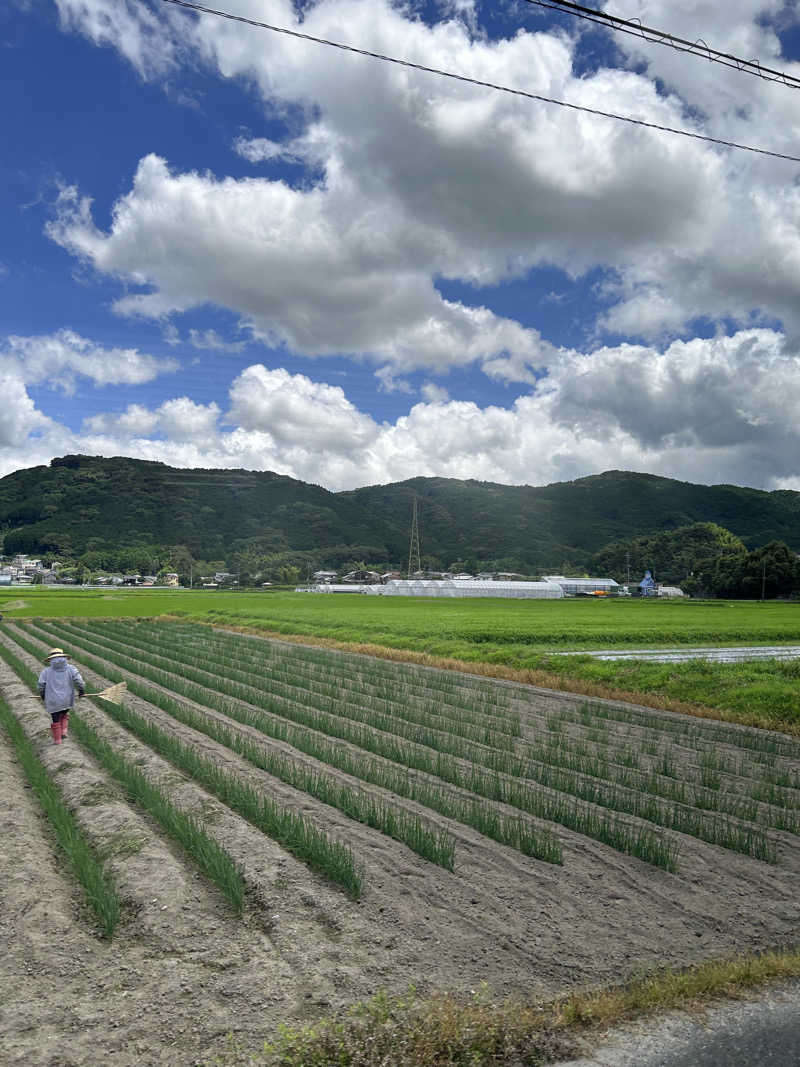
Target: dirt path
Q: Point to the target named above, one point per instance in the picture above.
(182, 971)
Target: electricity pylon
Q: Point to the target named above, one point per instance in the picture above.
(414, 562)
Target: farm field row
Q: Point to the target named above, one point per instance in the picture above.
(436, 626)
(505, 638)
(512, 826)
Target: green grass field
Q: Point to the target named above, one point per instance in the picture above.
(513, 634)
(441, 627)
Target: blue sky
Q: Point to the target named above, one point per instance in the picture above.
(225, 247)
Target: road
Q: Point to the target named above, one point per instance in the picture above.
(762, 1032)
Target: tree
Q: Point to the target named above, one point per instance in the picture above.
(770, 571)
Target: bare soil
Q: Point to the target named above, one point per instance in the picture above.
(183, 972)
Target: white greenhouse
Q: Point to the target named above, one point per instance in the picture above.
(449, 588)
(472, 588)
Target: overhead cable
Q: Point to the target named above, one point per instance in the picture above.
(483, 84)
(634, 28)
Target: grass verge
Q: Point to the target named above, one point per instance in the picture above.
(445, 1031)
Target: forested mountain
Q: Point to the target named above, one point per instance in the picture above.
(82, 506)
(88, 503)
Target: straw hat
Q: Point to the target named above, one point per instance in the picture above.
(54, 652)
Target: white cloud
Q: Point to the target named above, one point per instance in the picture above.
(18, 415)
(126, 25)
(434, 394)
(178, 421)
(261, 149)
(438, 180)
(701, 411)
(56, 360)
(298, 413)
(135, 421)
(210, 339)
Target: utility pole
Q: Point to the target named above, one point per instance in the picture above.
(763, 575)
(414, 562)
(628, 567)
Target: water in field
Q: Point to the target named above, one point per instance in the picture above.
(681, 655)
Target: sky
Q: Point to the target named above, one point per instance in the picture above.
(223, 246)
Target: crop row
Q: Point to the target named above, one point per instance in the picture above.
(563, 807)
(85, 864)
(648, 798)
(334, 673)
(641, 798)
(512, 831)
(708, 770)
(752, 741)
(209, 856)
(446, 685)
(287, 675)
(332, 859)
(440, 734)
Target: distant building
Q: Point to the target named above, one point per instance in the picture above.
(171, 580)
(361, 578)
(324, 576)
(670, 590)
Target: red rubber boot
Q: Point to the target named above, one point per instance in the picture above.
(55, 727)
(64, 724)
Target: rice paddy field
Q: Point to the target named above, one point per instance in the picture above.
(270, 831)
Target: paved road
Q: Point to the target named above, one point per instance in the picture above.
(763, 1032)
(680, 655)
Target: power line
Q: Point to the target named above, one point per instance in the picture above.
(483, 84)
(699, 48)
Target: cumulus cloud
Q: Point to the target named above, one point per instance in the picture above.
(58, 359)
(280, 257)
(19, 419)
(179, 421)
(438, 180)
(703, 411)
(297, 412)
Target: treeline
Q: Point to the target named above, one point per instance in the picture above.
(704, 559)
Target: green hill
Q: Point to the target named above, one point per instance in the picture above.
(82, 503)
(570, 521)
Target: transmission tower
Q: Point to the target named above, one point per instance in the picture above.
(414, 562)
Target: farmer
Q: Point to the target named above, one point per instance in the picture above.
(58, 684)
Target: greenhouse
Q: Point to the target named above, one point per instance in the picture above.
(465, 588)
(448, 588)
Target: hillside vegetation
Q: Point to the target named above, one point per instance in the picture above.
(115, 512)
